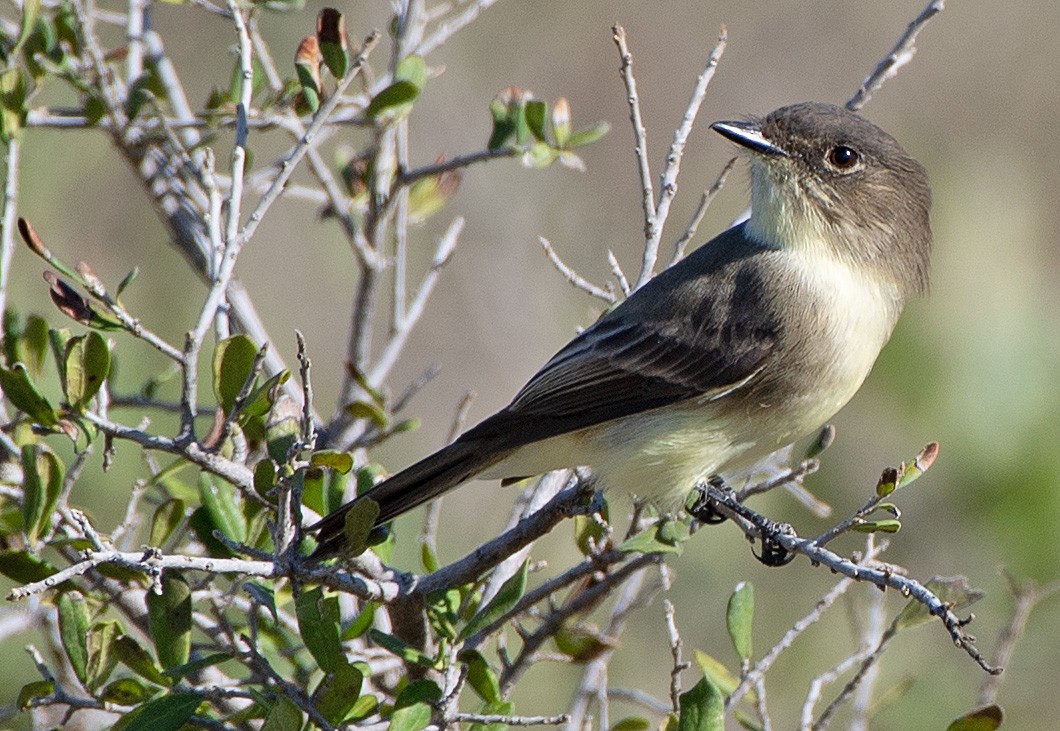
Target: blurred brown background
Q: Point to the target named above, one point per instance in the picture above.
(974, 366)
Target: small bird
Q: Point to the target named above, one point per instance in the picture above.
(752, 341)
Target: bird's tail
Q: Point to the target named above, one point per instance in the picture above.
(413, 486)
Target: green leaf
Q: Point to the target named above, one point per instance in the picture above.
(702, 708)
(284, 715)
(30, 12)
(33, 343)
(331, 35)
(338, 461)
(582, 642)
(399, 648)
(666, 536)
(169, 617)
(136, 657)
(411, 718)
(167, 517)
(412, 709)
(318, 622)
(102, 657)
(188, 668)
(537, 119)
(310, 87)
(42, 482)
(360, 521)
(718, 674)
(888, 482)
(219, 499)
(87, 366)
(341, 693)
(877, 526)
(371, 412)
(481, 676)
(392, 103)
(362, 622)
(73, 631)
(588, 135)
(36, 690)
(25, 567)
(168, 713)
(264, 476)
(127, 692)
(13, 109)
(263, 595)
(24, 395)
(632, 723)
(126, 281)
(540, 155)
(503, 126)
(233, 360)
(738, 619)
(920, 464)
(954, 591)
(262, 398)
(507, 596)
(366, 705)
(986, 718)
(413, 69)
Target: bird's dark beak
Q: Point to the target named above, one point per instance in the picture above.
(749, 135)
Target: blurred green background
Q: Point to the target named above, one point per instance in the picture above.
(973, 366)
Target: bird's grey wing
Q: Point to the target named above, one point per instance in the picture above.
(627, 363)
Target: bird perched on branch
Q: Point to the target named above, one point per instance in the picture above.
(752, 341)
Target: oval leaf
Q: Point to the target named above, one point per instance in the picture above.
(738, 619)
(510, 592)
(24, 395)
(42, 482)
(318, 622)
(73, 631)
(169, 617)
(702, 708)
(232, 363)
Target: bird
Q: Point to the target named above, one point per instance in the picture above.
(752, 341)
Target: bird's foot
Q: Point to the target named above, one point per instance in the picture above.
(773, 553)
(704, 508)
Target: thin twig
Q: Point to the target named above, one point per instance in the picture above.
(7, 224)
(572, 276)
(408, 318)
(668, 181)
(148, 563)
(1027, 596)
(620, 276)
(785, 537)
(451, 26)
(899, 56)
(679, 666)
(408, 177)
(760, 668)
(701, 210)
(485, 718)
(640, 139)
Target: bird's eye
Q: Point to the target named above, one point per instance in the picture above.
(842, 157)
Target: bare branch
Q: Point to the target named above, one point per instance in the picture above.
(701, 210)
(572, 276)
(451, 26)
(668, 183)
(640, 138)
(899, 56)
(789, 541)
